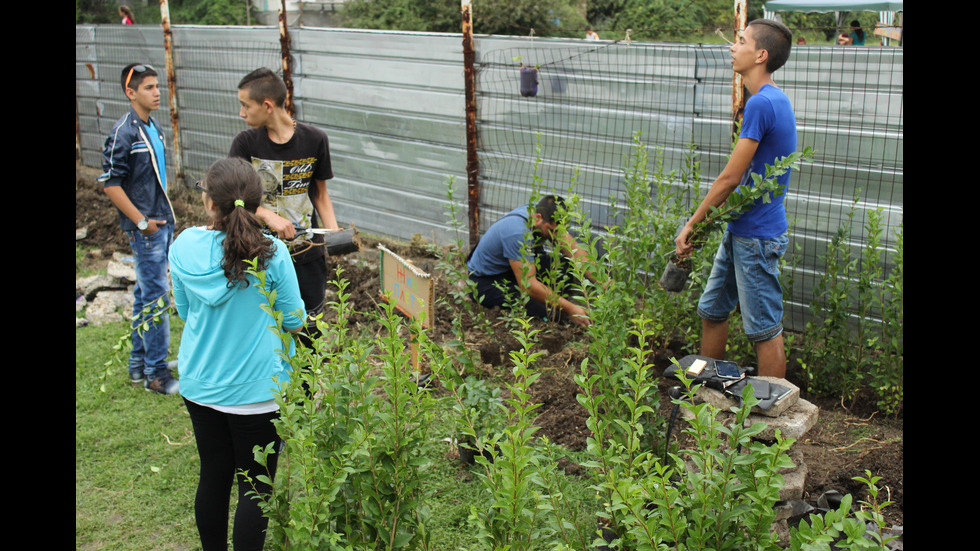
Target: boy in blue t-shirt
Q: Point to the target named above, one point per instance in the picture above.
(745, 272)
(509, 256)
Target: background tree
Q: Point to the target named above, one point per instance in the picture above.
(678, 20)
(182, 12)
(403, 15)
(508, 17)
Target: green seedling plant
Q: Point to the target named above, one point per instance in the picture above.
(559, 278)
(764, 188)
(462, 289)
(617, 424)
(634, 252)
(517, 513)
(516, 301)
(152, 313)
(353, 420)
(887, 381)
(718, 494)
(392, 490)
(735, 481)
(845, 351)
(843, 528)
(480, 413)
(324, 439)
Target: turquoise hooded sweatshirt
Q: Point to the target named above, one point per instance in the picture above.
(228, 354)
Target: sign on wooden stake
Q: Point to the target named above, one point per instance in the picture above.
(410, 289)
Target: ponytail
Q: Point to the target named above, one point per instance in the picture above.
(236, 190)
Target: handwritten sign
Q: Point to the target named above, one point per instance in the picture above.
(409, 287)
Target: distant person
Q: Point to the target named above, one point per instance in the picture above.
(508, 249)
(293, 159)
(857, 33)
(127, 15)
(844, 39)
(230, 367)
(745, 271)
(800, 41)
(135, 179)
(590, 34)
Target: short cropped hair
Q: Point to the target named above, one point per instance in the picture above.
(775, 38)
(547, 207)
(263, 84)
(136, 78)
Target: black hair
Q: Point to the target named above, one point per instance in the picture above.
(775, 38)
(856, 26)
(547, 207)
(263, 84)
(236, 190)
(137, 77)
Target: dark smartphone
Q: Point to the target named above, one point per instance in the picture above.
(727, 370)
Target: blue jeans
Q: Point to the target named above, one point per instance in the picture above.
(745, 273)
(151, 346)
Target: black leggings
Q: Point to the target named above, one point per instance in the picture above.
(224, 444)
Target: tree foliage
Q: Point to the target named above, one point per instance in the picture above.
(509, 17)
(693, 20)
(182, 12)
(677, 20)
(209, 12)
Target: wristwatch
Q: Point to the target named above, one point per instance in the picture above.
(143, 224)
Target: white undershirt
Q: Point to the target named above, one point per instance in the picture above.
(257, 408)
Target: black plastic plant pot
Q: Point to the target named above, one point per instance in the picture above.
(608, 535)
(675, 276)
(529, 81)
(468, 452)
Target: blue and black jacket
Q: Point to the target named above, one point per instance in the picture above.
(130, 161)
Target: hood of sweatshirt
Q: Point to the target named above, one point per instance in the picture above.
(195, 258)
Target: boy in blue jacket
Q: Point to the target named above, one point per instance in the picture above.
(135, 180)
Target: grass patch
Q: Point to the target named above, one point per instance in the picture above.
(136, 460)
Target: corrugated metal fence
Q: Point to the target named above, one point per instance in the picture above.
(392, 105)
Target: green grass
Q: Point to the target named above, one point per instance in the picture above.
(136, 460)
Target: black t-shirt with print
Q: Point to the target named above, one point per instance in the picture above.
(289, 172)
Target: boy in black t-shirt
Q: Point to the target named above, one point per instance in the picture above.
(293, 159)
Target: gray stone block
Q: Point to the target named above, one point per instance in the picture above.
(722, 402)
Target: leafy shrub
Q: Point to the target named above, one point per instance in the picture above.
(860, 354)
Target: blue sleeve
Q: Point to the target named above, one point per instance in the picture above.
(115, 157)
(288, 298)
(757, 118)
(180, 295)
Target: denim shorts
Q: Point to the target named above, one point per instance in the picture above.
(745, 273)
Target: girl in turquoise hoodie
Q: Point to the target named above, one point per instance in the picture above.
(230, 366)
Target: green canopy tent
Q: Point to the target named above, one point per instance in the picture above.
(886, 9)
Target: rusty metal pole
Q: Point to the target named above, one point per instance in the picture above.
(168, 48)
(738, 90)
(287, 72)
(472, 161)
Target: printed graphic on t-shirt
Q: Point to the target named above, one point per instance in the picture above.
(286, 185)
